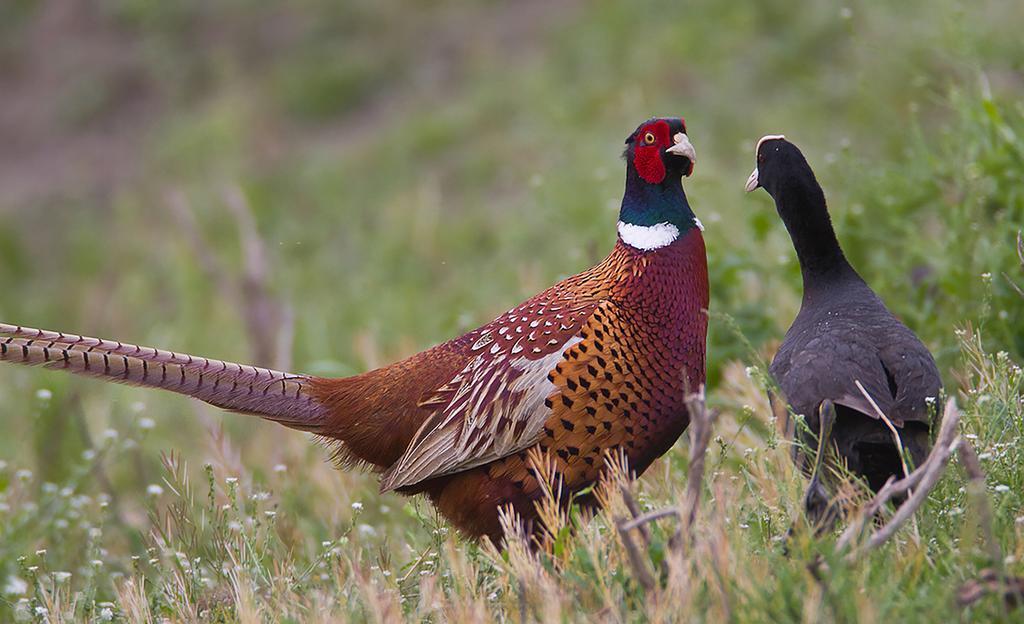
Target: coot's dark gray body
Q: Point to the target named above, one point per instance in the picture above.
(844, 334)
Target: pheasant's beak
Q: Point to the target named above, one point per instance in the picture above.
(683, 147)
(752, 182)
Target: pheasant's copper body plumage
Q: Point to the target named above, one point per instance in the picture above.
(599, 362)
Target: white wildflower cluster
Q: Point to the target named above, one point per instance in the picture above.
(15, 586)
(22, 610)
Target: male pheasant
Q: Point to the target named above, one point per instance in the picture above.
(598, 362)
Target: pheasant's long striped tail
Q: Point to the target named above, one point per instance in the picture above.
(277, 396)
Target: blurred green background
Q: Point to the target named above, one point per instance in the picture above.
(413, 169)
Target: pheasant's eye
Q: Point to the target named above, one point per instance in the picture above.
(649, 138)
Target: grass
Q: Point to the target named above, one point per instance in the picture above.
(391, 157)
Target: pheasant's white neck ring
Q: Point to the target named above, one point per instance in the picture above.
(648, 237)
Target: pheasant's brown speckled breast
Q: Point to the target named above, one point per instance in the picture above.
(621, 388)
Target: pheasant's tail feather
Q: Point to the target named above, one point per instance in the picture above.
(282, 397)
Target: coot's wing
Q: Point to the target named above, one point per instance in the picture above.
(826, 362)
(911, 369)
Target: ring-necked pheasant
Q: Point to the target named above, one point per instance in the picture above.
(842, 336)
(596, 363)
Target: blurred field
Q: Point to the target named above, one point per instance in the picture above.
(415, 168)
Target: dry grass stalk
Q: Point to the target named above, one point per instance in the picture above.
(131, 596)
(700, 435)
(899, 449)
(268, 321)
(922, 480)
(701, 421)
(888, 423)
(637, 561)
(989, 581)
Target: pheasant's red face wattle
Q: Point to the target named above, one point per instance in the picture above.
(651, 139)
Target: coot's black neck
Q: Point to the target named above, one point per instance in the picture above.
(801, 204)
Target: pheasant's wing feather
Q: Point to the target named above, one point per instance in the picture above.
(618, 391)
(495, 405)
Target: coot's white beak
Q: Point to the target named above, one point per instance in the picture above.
(752, 182)
(683, 147)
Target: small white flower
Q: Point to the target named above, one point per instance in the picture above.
(21, 610)
(41, 611)
(110, 434)
(1002, 487)
(50, 488)
(96, 563)
(61, 577)
(235, 525)
(366, 530)
(43, 394)
(357, 506)
(154, 490)
(88, 454)
(279, 468)
(41, 552)
(15, 586)
(138, 407)
(270, 514)
(106, 614)
(146, 423)
(231, 480)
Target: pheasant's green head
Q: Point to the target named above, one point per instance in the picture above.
(654, 208)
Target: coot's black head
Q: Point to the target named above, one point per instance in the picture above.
(779, 164)
(783, 171)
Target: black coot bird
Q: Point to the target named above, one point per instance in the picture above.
(843, 335)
